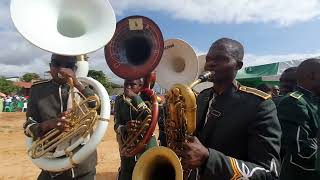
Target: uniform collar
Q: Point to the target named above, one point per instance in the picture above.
(57, 84)
(230, 89)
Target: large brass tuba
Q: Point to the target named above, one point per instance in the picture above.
(71, 28)
(181, 115)
(134, 51)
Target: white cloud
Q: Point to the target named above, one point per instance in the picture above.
(252, 60)
(283, 12)
(5, 20)
(17, 56)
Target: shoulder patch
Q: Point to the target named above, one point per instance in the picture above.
(296, 95)
(255, 91)
(39, 82)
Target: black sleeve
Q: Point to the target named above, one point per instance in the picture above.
(318, 152)
(263, 150)
(31, 126)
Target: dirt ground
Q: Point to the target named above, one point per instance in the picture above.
(16, 165)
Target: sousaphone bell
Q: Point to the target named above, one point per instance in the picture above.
(179, 64)
(134, 52)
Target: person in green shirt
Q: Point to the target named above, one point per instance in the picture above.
(299, 115)
(128, 106)
(288, 82)
(1, 104)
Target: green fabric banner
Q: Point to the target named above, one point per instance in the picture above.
(252, 76)
(258, 71)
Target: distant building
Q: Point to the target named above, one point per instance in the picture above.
(13, 79)
(25, 87)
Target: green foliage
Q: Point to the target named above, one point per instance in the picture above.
(28, 77)
(101, 77)
(7, 87)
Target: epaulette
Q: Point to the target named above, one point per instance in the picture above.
(39, 82)
(256, 92)
(296, 95)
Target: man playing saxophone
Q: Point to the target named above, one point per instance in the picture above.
(48, 108)
(238, 133)
(130, 109)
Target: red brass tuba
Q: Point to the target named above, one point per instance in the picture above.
(134, 52)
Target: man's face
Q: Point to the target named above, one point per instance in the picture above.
(275, 91)
(222, 64)
(58, 63)
(287, 82)
(133, 85)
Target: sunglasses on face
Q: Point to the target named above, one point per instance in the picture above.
(69, 65)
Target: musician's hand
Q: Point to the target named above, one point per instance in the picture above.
(59, 123)
(194, 154)
(133, 125)
(69, 73)
(129, 93)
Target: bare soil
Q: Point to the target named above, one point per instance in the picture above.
(16, 165)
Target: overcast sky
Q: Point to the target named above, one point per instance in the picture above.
(270, 30)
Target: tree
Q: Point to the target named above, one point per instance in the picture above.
(28, 77)
(101, 77)
(7, 87)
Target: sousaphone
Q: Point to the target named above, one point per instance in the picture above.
(71, 28)
(134, 52)
(177, 72)
(179, 64)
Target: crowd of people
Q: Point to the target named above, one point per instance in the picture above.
(14, 103)
(270, 132)
(241, 132)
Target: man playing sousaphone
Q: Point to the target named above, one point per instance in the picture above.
(48, 108)
(131, 108)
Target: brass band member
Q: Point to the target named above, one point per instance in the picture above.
(127, 108)
(288, 82)
(47, 108)
(299, 115)
(238, 133)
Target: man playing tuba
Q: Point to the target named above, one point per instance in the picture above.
(47, 109)
(130, 110)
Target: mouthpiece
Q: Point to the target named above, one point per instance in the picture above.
(206, 75)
